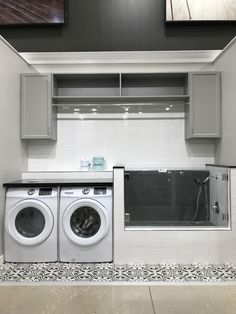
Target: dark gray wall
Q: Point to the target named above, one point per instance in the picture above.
(99, 25)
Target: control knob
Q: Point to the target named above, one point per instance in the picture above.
(31, 191)
(85, 191)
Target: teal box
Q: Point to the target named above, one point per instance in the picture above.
(99, 163)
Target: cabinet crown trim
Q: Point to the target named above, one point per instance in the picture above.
(121, 57)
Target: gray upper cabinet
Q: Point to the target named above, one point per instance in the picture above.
(203, 110)
(38, 117)
(45, 94)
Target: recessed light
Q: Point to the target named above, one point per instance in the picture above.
(140, 112)
(94, 110)
(167, 108)
(76, 110)
(126, 109)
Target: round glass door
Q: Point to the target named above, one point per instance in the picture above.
(30, 222)
(85, 222)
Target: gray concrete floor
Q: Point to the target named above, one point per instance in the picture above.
(117, 299)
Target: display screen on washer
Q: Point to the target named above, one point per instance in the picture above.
(85, 222)
(30, 222)
(45, 191)
(100, 191)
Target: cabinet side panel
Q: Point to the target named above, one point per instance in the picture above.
(187, 122)
(34, 106)
(206, 105)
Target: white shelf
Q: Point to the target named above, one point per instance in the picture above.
(115, 100)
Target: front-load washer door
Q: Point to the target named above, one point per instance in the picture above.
(29, 222)
(85, 222)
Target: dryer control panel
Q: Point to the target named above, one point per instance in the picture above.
(87, 191)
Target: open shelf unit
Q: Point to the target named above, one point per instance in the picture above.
(107, 90)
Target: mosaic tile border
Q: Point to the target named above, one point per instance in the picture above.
(108, 272)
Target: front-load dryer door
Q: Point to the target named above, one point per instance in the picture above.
(29, 222)
(85, 222)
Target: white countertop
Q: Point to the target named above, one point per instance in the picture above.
(83, 176)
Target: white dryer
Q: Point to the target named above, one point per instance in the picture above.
(85, 233)
(31, 224)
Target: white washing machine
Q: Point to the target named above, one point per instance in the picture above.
(31, 224)
(85, 233)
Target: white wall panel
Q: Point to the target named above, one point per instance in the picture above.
(13, 157)
(226, 146)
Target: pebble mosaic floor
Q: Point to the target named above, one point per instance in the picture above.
(108, 272)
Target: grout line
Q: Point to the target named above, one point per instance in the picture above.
(172, 10)
(188, 8)
(151, 300)
(115, 283)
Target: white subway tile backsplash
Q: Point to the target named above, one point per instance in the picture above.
(233, 214)
(192, 249)
(161, 249)
(192, 234)
(136, 235)
(184, 258)
(134, 143)
(161, 258)
(233, 227)
(155, 235)
(154, 243)
(219, 235)
(202, 258)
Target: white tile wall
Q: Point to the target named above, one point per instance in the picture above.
(171, 246)
(134, 143)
